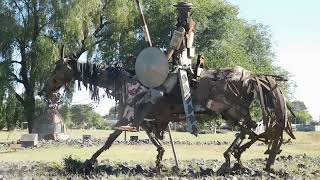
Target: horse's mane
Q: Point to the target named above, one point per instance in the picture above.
(89, 74)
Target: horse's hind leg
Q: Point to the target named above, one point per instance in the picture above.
(112, 137)
(155, 141)
(160, 150)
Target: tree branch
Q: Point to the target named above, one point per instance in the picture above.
(20, 11)
(28, 7)
(18, 62)
(44, 25)
(16, 78)
(101, 26)
(20, 99)
(36, 21)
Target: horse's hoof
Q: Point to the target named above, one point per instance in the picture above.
(89, 165)
(269, 170)
(175, 169)
(237, 166)
(224, 169)
(159, 169)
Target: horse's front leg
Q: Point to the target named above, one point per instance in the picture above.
(227, 154)
(89, 164)
(242, 148)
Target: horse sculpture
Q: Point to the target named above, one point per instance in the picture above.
(228, 92)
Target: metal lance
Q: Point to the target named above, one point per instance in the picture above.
(153, 61)
(145, 27)
(151, 67)
(172, 146)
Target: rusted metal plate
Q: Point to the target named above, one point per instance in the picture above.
(152, 67)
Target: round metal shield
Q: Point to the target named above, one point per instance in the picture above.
(151, 67)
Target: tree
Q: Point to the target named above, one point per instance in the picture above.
(11, 113)
(113, 111)
(32, 33)
(224, 38)
(298, 106)
(83, 116)
(301, 112)
(210, 121)
(303, 117)
(25, 50)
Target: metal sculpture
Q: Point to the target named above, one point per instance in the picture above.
(228, 92)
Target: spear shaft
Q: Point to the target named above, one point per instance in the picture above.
(145, 27)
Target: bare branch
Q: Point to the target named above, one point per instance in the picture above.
(20, 11)
(18, 62)
(16, 78)
(43, 26)
(27, 6)
(20, 99)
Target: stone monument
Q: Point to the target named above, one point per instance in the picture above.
(49, 125)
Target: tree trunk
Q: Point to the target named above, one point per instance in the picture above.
(29, 111)
(29, 99)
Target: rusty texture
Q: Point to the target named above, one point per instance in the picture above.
(229, 92)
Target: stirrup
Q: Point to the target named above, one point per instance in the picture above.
(128, 128)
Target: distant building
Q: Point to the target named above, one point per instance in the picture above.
(307, 128)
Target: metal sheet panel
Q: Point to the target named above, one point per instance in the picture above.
(187, 102)
(152, 67)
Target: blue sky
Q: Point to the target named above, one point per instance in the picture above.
(295, 26)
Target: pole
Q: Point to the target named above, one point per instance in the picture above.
(145, 27)
(173, 148)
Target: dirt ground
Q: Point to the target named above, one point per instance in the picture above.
(286, 167)
(200, 158)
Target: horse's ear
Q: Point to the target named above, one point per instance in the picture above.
(62, 55)
(61, 58)
(62, 52)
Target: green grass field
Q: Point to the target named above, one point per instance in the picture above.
(306, 142)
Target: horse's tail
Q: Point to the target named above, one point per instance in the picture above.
(273, 106)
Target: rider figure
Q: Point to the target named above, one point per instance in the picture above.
(181, 51)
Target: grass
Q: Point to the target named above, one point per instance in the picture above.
(8, 136)
(307, 142)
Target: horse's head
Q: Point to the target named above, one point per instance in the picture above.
(63, 73)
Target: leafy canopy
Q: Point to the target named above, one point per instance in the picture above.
(32, 33)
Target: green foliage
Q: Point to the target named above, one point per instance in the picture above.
(210, 122)
(301, 112)
(298, 106)
(11, 113)
(113, 111)
(44, 55)
(255, 111)
(64, 111)
(83, 116)
(303, 117)
(32, 33)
